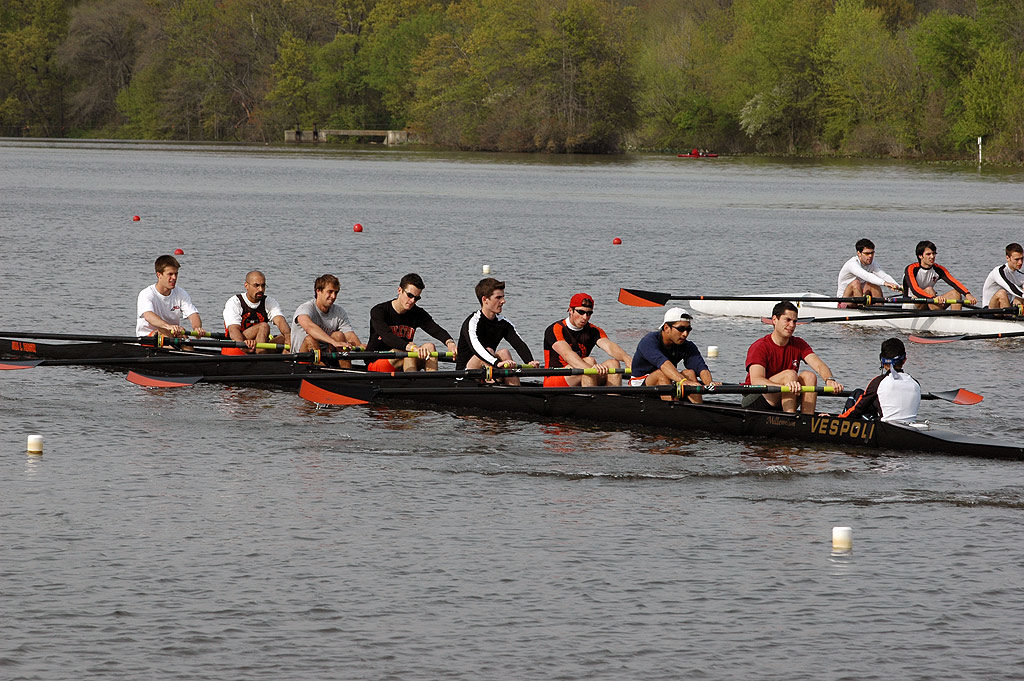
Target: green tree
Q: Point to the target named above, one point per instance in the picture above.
(868, 83)
(770, 74)
(993, 95)
(33, 82)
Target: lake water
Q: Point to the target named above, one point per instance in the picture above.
(215, 532)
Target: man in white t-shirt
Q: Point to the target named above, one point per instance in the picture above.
(1004, 286)
(162, 307)
(860, 275)
(248, 316)
(320, 323)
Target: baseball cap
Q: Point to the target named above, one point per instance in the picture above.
(581, 300)
(675, 314)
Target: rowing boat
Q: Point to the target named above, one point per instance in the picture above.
(823, 309)
(711, 417)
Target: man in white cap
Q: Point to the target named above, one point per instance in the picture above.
(659, 353)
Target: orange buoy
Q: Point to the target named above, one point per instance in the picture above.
(357, 227)
(616, 241)
(135, 218)
(178, 251)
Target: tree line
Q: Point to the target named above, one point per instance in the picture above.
(900, 78)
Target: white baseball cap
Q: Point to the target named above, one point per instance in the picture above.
(674, 314)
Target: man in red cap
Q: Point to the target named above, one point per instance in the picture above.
(569, 342)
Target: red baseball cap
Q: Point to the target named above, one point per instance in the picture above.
(581, 300)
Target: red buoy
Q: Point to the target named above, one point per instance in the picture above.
(357, 227)
(616, 241)
(135, 218)
(178, 251)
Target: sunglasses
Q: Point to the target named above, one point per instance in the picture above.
(583, 310)
(414, 298)
(683, 329)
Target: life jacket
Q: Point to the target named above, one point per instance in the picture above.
(253, 315)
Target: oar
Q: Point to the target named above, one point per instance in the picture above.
(364, 376)
(639, 298)
(190, 359)
(97, 338)
(315, 390)
(909, 314)
(966, 336)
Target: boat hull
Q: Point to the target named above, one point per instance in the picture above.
(809, 307)
(714, 418)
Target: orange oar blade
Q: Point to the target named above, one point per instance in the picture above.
(966, 397)
(19, 363)
(160, 382)
(637, 298)
(314, 393)
(933, 339)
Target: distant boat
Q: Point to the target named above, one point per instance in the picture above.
(697, 153)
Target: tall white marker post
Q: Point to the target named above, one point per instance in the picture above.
(979, 150)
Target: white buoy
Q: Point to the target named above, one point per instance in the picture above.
(35, 444)
(712, 351)
(486, 269)
(842, 538)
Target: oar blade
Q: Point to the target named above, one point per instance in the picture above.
(638, 298)
(962, 396)
(19, 363)
(320, 395)
(162, 382)
(931, 340)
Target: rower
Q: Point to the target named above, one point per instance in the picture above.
(659, 353)
(860, 276)
(893, 395)
(775, 360)
(393, 324)
(485, 329)
(569, 342)
(161, 307)
(321, 323)
(1004, 286)
(247, 316)
(920, 278)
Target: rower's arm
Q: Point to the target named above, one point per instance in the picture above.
(670, 370)
(822, 370)
(196, 321)
(235, 333)
(313, 330)
(614, 351)
(282, 326)
(568, 355)
(159, 323)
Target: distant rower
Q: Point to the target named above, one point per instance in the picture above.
(860, 276)
(1005, 283)
(920, 278)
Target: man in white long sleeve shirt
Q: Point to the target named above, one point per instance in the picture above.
(860, 275)
(1005, 284)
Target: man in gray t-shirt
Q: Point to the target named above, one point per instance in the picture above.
(320, 324)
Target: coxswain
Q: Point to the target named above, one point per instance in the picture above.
(569, 342)
(893, 395)
(860, 276)
(775, 360)
(163, 306)
(659, 353)
(920, 278)
(393, 324)
(1004, 286)
(485, 329)
(248, 315)
(321, 323)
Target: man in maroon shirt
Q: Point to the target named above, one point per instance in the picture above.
(775, 360)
